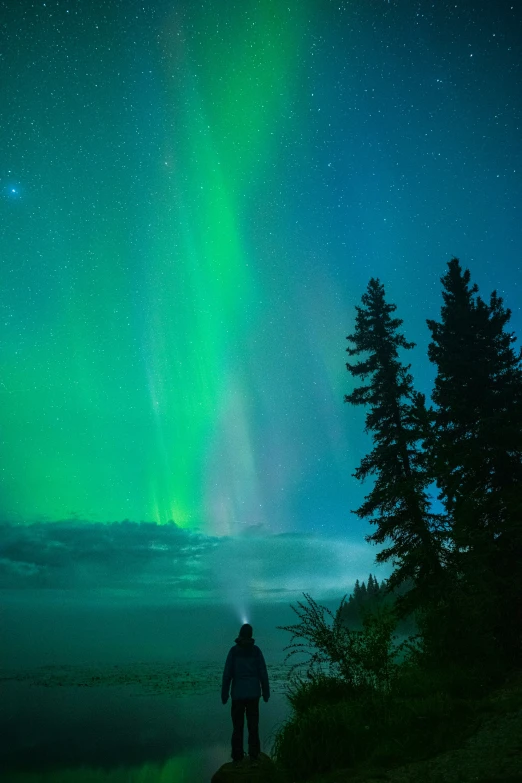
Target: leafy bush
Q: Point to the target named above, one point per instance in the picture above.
(365, 659)
(356, 705)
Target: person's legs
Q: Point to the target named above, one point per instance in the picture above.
(252, 715)
(238, 722)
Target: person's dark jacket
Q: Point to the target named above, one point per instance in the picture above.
(245, 668)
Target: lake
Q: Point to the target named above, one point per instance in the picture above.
(142, 722)
(125, 693)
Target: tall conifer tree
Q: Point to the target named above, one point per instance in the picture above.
(477, 447)
(398, 504)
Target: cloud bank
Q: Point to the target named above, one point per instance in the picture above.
(167, 563)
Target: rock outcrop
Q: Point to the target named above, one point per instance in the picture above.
(264, 772)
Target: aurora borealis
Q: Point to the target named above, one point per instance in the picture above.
(193, 198)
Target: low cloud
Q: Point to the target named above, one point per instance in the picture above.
(164, 562)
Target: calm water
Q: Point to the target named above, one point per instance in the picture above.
(128, 724)
(130, 706)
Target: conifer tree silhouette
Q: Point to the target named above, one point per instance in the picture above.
(476, 449)
(373, 588)
(398, 503)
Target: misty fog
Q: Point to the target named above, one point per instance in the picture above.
(38, 632)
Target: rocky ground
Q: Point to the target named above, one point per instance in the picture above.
(262, 771)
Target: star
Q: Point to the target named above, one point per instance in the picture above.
(11, 192)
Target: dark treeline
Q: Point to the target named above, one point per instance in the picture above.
(367, 597)
(456, 586)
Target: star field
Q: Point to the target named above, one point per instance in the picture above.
(193, 197)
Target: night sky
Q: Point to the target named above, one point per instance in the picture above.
(193, 197)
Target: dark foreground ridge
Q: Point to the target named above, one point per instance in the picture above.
(491, 751)
(264, 772)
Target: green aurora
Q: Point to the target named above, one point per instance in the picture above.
(102, 423)
(192, 200)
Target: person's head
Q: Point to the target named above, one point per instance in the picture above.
(245, 636)
(245, 632)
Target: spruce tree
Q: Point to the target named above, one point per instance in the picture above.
(398, 503)
(477, 420)
(373, 588)
(477, 446)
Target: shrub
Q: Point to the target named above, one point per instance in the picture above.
(365, 659)
(357, 705)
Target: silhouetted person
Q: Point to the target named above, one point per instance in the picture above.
(245, 667)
